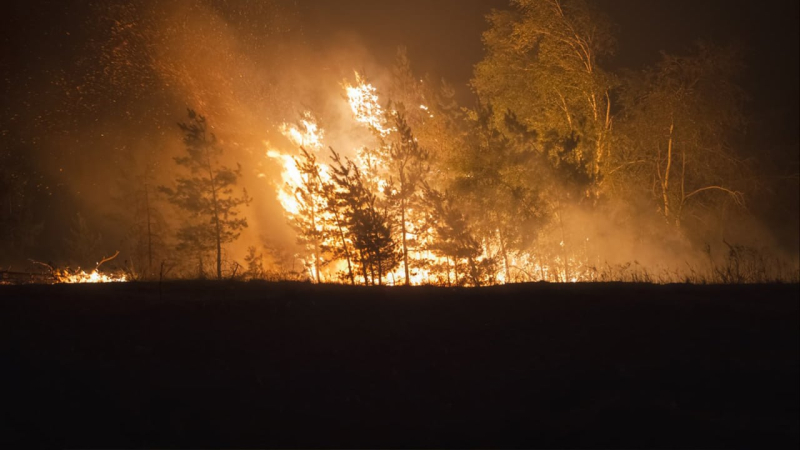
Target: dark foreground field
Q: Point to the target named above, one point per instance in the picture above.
(296, 365)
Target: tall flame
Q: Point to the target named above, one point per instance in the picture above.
(306, 133)
(363, 99)
(424, 266)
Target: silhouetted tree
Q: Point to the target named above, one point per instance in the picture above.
(309, 222)
(682, 118)
(83, 243)
(255, 264)
(408, 161)
(368, 223)
(146, 226)
(207, 194)
(18, 227)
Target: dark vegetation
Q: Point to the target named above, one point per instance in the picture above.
(210, 364)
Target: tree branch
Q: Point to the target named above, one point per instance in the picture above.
(738, 197)
(105, 260)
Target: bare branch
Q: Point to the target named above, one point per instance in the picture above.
(738, 197)
(105, 260)
(52, 270)
(621, 166)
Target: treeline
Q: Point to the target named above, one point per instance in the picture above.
(564, 170)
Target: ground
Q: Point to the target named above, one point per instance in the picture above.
(297, 365)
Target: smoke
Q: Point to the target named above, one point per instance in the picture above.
(93, 93)
(107, 103)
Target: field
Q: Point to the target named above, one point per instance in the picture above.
(203, 364)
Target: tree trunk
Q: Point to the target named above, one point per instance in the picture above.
(364, 267)
(405, 247)
(380, 272)
(149, 234)
(346, 249)
(219, 253)
(505, 256)
(563, 245)
(217, 226)
(665, 178)
(683, 190)
(316, 243)
(448, 271)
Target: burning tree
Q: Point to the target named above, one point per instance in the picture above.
(453, 238)
(407, 161)
(207, 195)
(310, 222)
(368, 223)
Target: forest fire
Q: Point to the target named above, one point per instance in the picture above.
(400, 224)
(364, 103)
(312, 200)
(536, 163)
(69, 276)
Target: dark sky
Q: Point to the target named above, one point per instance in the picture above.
(443, 37)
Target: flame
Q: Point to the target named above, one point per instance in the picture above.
(92, 277)
(425, 267)
(363, 99)
(291, 178)
(305, 134)
(309, 135)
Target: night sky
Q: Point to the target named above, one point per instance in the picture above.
(444, 38)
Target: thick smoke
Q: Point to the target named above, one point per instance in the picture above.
(109, 107)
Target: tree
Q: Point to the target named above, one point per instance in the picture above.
(407, 161)
(443, 130)
(146, 226)
(82, 243)
(681, 120)
(18, 228)
(508, 185)
(367, 222)
(207, 194)
(454, 237)
(255, 264)
(405, 92)
(309, 221)
(542, 67)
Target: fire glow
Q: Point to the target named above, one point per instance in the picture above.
(364, 103)
(91, 277)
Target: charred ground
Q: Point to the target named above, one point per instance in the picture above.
(297, 365)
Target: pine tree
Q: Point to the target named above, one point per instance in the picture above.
(310, 222)
(367, 222)
(82, 243)
(454, 239)
(207, 194)
(146, 226)
(408, 162)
